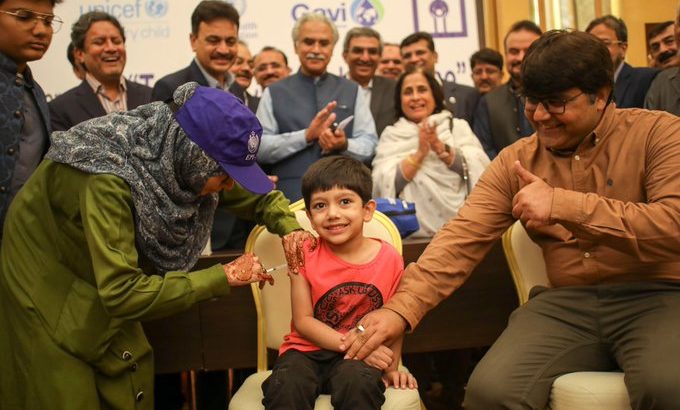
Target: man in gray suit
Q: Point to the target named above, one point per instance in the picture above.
(664, 93)
(361, 50)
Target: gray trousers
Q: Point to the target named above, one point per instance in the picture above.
(634, 327)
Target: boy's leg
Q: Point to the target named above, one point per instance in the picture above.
(354, 385)
(294, 382)
(644, 322)
(556, 332)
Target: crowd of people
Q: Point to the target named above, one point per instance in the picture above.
(109, 192)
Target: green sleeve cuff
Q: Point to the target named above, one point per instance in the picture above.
(274, 212)
(209, 283)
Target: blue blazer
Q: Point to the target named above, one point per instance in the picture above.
(632, 84)
(81, 104)
(12, 122)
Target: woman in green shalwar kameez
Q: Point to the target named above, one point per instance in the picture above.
(101, 236)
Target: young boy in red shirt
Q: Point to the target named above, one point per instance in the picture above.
(346, 276)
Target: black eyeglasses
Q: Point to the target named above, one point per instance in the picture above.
(611, 43)
(553, 105)
(30, 18)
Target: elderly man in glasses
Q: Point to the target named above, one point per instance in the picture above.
(26, 28)
(630, 83)
(596, 187)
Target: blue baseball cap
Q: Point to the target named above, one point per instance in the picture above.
(228, 132)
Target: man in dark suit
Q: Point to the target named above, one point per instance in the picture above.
(630, 83)
(499, 118)
(361, 51)
(418, 49)
(214, 40)
(99, 46)
(242, 70)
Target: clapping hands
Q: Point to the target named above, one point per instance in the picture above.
(429, 141)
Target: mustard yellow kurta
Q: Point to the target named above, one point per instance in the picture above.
(72, 292)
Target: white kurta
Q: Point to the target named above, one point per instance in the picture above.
(437, 191)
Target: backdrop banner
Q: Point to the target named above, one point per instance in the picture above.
(157, 33)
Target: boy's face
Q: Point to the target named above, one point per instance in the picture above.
(338, 216)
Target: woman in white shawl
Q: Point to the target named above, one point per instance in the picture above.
(427, 156)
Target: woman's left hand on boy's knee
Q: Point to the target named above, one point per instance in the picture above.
(293, 247)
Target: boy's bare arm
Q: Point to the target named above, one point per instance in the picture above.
(305, 323)
(320, 333)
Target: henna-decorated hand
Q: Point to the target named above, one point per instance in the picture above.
(246, 269)
(293, 246)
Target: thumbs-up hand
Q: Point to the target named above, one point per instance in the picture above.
(533, 203)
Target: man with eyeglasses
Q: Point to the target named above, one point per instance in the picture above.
(26, 28)
(361, 51)
(499, 118)
(99, 47)
(596, 187)
(487, 69)
(270, 66)
(630, 83)
(664, 93)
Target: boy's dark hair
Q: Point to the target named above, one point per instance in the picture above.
(437, 92)
(613, 23)
(487, 56)
(337, 171)
(209, 10)
(416, 37)
(545, 74)
(522, 25)
(84, 22)
(658, 29)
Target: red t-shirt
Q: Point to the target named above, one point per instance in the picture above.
(342, 293)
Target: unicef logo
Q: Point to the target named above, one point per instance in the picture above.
(367, 12)
(156, 8)
(239, 5)
(253, 142)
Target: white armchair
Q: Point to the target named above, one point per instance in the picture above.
(572, 391)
